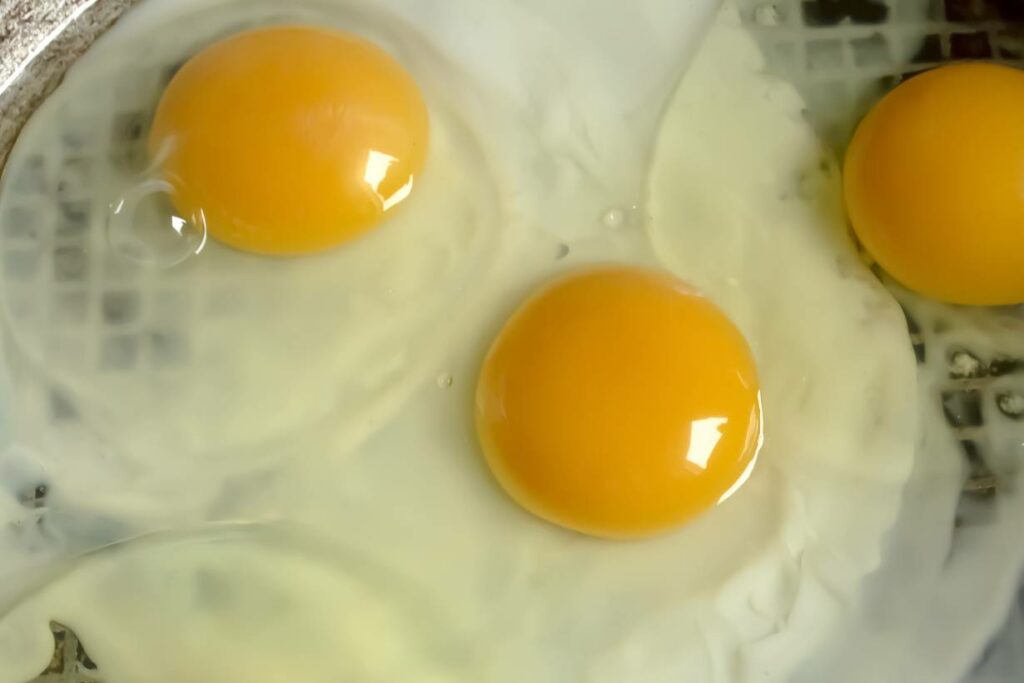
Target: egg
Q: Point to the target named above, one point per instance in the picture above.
(290, 140)
(323, 433)
(932, 184)
(159, 234)
(618, 402)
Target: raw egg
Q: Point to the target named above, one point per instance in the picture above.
(290, 140)
(618, 402)
(935, 184)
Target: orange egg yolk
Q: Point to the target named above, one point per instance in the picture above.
(290, 140)
(618, 402)
(934, 183)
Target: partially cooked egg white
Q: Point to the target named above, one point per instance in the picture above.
(745, 593)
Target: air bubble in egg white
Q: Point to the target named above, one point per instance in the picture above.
(965, 365)
(143, 227)
(1011, 404)
(614, 218)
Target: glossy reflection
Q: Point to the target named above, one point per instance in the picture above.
(290, 139)
(620, 403)
(143, 227)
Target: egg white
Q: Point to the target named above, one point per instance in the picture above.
(737, 203)
(952, 564)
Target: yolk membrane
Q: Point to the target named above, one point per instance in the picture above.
(290, 140)
(618, 402)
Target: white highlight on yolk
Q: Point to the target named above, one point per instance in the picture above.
(377, 165)
(704, 436)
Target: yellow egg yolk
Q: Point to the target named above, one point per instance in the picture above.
(290, 140)
(618, 402)
(934, 184)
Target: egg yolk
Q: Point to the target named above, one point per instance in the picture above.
(290, 140)
(618, 402)
(934, 184)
